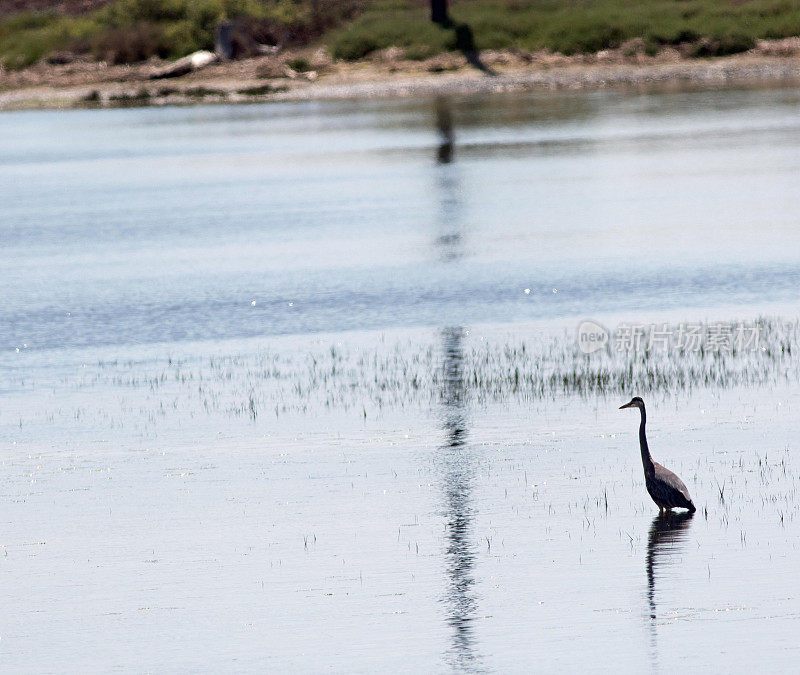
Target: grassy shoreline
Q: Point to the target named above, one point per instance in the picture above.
(354, 48)
(131, 31)
(700, 27)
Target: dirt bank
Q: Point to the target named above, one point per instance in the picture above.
(86, 83)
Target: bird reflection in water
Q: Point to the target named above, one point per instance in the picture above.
(456, 460)
(664, 548)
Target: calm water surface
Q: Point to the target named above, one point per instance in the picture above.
(140, 247)
(144, 225)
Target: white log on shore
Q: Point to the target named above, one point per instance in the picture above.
(185, 65)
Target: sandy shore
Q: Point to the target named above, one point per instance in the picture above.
(96, 84)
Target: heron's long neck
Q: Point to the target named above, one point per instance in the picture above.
(647, 460)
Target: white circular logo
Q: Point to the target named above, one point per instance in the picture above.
(592, 337)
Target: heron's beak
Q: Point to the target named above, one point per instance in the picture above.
(627, 405)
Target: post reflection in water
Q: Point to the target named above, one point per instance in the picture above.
(450, 239)
(444, 123)
(664, 547)
(456, 460)
(458, 468)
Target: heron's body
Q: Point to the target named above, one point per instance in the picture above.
(666, 489)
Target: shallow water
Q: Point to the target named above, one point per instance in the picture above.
(503, 539)
(257, 393)
(165, 225)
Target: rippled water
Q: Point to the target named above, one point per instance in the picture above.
(257, 392)
(144, 225)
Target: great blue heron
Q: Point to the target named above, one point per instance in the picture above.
(666, 489)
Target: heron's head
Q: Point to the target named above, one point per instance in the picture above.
(636, 402)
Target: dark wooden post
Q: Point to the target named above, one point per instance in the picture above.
(223, 40)
(316, 24)
(439, 11)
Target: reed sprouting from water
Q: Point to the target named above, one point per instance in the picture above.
(364, 375)
(554, 365)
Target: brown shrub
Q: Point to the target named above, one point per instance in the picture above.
(129, 45)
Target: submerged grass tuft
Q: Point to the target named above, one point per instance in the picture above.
(448, 367)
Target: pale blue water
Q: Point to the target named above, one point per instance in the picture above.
(165, 269)
(163, 225)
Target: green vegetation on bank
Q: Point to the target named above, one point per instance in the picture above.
(127, 31)
(133, 30)
(714, 27)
